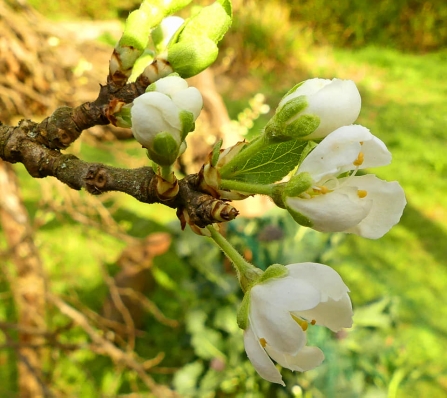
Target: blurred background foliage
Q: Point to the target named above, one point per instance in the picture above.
(396, 53)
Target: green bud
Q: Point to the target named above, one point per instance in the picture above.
(211, 22)
(164, 150)
(192, 57)
(175, 5)
(134, 39)
(194, 48)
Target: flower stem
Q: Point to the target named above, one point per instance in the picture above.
(247, 187)
(166, 173)
(247, 273)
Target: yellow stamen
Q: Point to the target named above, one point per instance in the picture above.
(301, 322)
(263, 342)
(362, 193)
(360, 159)
(321, 189)
(313, 322)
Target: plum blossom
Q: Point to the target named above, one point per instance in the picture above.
(164, 115)
(314, 108)
(340, 201)
(280, 310)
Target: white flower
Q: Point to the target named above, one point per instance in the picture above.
(171, 107)
(363, 205)
(335, 103)
(279, 313)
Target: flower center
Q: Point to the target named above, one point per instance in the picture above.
(332, 183)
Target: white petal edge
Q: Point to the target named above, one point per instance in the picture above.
(260, 359)
(170, 85)
(337, 104)
(333, 314)
(321, 277)
(189, 100)
(388, 200)
(306, 359)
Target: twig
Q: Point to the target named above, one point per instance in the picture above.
(148, 305)
(105, 347)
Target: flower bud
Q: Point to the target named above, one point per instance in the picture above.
(314, 108)
(194, 48)
(163, 116)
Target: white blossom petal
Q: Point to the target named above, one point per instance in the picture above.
(388, 203)
(189, 100)
(333, 212)
(170, 85)
(259, 358)
(337, 104)
(270, 307)
(321, 277)
(306, 359)
(337, 152)
(152, 113)
(271, 322)
(333, 314)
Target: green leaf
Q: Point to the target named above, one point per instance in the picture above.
(268, 165)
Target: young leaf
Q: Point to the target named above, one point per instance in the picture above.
(270, 164)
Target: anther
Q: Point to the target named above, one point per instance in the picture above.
(360, 159)
(263, 342)
(361, 193)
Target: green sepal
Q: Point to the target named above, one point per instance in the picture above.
(164, 149)
(176, 5)
(212, 22)
(124, 117)
(292, 90)
(216, 152)
(298, 217)
(273, 271)
(243, 311)
(269, 164)
(187, 121)
(189, 58)
(291, 108)
(303, 126)
(297, 185)
(286, 124)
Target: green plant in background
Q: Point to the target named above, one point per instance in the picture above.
(215, 343)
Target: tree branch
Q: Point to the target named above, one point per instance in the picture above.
(24, 144)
